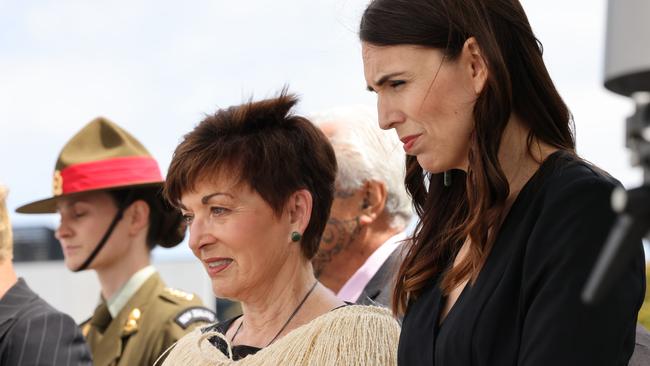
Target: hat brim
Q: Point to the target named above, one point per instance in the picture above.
(48, 205)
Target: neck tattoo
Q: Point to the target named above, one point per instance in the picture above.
(295, 311)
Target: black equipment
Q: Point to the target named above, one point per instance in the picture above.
(627, 72)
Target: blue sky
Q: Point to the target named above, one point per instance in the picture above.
(156, 67)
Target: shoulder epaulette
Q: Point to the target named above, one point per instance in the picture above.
(179, 294)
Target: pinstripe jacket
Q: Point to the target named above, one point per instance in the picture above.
(32, 332)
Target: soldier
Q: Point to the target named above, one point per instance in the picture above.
(107, 192)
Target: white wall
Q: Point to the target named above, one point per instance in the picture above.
(77, 294)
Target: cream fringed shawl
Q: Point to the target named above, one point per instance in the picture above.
(351, 335)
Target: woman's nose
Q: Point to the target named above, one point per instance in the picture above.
(388, 115)
(197, 233)
(62, 231)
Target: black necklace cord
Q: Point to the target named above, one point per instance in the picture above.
(118, 216)
(295, 311)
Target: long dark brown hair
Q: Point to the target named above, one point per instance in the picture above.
(517, 82)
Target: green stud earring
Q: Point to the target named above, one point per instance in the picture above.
(296, 236)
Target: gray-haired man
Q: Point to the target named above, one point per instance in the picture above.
(359, 252)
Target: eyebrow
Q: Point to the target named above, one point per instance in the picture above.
(382, 80)
(206, 198)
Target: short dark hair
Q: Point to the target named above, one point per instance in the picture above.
(267, 147)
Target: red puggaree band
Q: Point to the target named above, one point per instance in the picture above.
(110, 173)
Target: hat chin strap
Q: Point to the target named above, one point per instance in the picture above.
(107, 234)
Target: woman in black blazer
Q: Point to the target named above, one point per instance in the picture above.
(512, 219)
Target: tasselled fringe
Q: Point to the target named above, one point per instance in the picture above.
(352, 335)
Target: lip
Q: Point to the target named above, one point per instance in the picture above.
(69, 249)
(409, 141)
(213, 271)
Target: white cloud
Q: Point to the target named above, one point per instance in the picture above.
(156, 66)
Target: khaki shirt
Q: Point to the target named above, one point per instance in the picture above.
(151, 321)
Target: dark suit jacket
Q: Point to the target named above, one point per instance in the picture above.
(379, 289)
(32, 332)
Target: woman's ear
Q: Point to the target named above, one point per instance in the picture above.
(138, 216)
(300, 206)
(477, 65)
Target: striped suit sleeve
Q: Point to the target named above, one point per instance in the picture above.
(43, 336)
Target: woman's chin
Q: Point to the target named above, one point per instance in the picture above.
(72, 263)
(223, 293)
(434, 166)
(427, 164)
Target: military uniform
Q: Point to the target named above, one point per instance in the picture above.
(147, 317)
(153, 319)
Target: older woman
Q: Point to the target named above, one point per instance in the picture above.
(255, 184)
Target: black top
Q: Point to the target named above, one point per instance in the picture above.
(239, 351)
(525, 307)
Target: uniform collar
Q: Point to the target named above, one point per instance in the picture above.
(116, 303)
(107, 344)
